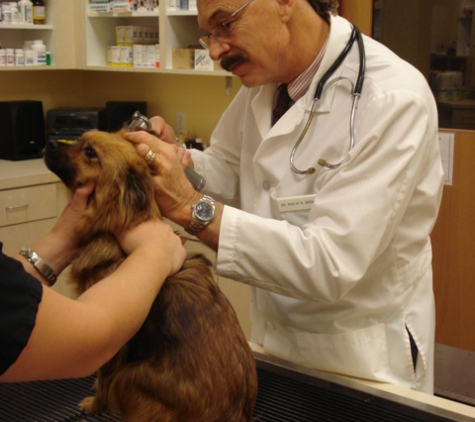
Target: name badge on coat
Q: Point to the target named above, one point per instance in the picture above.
(295, 203)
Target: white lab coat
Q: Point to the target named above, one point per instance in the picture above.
(334, 287)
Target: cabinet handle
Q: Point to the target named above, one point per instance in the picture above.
(19, 207)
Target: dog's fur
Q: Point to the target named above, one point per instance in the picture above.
(190, 360)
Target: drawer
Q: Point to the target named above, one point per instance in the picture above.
(27, 204)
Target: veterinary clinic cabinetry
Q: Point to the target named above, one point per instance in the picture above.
(238, 294)
(31, 200)
(57, 34)
(176, 29)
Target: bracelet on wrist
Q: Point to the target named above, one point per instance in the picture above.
(41, 266)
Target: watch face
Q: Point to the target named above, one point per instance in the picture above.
(204, 211)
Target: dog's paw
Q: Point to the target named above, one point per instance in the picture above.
(88, 405)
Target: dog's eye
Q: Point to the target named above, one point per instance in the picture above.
(90, 153)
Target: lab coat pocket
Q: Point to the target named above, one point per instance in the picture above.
(361, 353)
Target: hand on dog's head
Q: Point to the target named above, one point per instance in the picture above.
(123, 195)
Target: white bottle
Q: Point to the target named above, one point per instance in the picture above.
(3, 57)
(6, 13)
(39, 53)
(26, 11)
(10, 57)
(19, 57)
(29, 57)
(15, 12)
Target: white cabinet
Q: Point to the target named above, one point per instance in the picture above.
(238, 294)
(14, 35)
(58, 34)
(177, 29)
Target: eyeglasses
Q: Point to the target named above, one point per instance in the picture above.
(222, 31)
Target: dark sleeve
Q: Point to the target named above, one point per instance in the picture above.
(20, 296)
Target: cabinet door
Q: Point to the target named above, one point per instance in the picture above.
(237, 293)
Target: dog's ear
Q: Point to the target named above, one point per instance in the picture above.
(137, 202)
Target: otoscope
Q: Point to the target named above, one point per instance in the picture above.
(140, 122)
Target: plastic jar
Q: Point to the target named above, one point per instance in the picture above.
(29, 57)
(10, 57)
(19, 57)
(6, 13)
(39, 53)
(3, 57)
(26, 11)
(15, 12)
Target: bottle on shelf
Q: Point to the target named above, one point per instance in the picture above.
(39, 53)
(15, 12)
(3, 57)
(39, 12)
(6, 13)
(10, 57)
(26, 11)
(19, 57)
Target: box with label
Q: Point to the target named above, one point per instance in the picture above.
(122, 6)
(126, 56)
(183, 58)
(100, 6)
(113, 55)
(120, 35)
(203, 60)
(137, 55)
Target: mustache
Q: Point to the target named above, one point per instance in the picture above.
(230, 61)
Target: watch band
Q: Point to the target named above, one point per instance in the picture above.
(43, 268)
(196, 225)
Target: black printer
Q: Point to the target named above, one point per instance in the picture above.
(70, 123)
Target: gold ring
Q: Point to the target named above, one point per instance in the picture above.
(150, 156)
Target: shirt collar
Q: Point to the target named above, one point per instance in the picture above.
(300, 85)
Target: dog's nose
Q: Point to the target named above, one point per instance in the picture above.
(51, 143)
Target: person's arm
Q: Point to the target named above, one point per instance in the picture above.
(73, 338)
(173, 192)
(57, 248)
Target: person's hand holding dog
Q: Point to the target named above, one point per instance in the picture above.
(58, 247)
(154, 239)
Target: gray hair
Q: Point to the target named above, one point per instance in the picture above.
(324, 8)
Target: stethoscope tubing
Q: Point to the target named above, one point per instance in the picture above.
(357, 90)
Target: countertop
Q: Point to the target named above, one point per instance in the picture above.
(15, 174)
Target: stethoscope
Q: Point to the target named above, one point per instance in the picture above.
(357, 89)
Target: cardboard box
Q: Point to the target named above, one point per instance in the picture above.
(100, 7)
(183, 58)
(126, 56)
(203, 60)
(122, 6)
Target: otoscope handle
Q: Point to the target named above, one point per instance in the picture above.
(141, 122)
(195, 179)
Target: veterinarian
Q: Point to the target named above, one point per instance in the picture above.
(328, 223)
(44, 335)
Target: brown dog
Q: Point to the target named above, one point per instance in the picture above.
(190, 360)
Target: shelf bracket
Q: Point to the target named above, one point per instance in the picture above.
(229, 86)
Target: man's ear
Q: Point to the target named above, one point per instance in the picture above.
(286, 9)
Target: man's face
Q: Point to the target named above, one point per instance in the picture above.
(250, 43)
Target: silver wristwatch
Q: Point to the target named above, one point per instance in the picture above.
(44, 269)
(202, 213)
